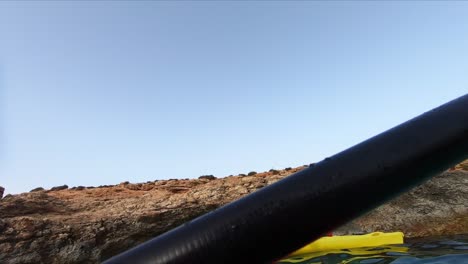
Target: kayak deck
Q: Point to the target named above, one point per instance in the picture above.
(352, 241)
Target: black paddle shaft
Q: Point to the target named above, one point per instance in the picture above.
(278, 219)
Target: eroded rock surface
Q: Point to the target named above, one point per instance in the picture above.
(88, 225)
(437, 208)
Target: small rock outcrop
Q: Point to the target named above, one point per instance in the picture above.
(89, 225)
(2, 190)
(38, 189)
(207, 177)
(59, 188)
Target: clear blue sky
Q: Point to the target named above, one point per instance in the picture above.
(103, 92)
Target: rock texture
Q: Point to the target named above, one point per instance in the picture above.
(88, 225)
(438, 207)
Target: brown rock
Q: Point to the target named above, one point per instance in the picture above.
(8, 196)
(462, 166)
(274, 172)
(90, 226)
(2, 190)
(38, 189)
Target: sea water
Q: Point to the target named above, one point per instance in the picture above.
(436, 250)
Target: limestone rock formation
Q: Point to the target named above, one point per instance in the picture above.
(88, 225)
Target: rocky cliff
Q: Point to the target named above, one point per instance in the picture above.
(88, 225)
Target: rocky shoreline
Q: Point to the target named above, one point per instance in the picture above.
(88, 225)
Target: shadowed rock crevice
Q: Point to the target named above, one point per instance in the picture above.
(32, 203)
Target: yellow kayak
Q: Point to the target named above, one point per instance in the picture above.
(353, 241)
(358, 253)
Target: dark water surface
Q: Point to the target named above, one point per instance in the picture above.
(435, 250)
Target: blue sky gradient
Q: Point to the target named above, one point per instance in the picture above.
(98, 93)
